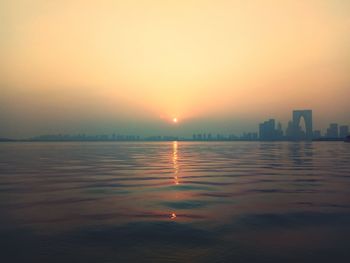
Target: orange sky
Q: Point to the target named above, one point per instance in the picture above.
(77, 65)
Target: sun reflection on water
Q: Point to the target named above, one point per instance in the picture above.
(175, 163)
(176, 171)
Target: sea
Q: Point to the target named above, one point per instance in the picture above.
(174, 202)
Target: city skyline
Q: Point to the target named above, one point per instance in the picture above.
(132, 66)
(299, 128)
(182, 128)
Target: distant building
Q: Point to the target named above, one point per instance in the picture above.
(343, 131)
(209, 137)
(250, 136)
(233, 137)
(279, 130)
(219, 137)
(317, 134)
(267, 129)
(268, 132)
(290, 131)
(297, 133)
(332, 131)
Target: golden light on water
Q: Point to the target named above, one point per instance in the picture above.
(175, 169)
(175, 163)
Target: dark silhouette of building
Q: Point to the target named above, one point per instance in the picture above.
(343, 131)
(220, 137)
(290, 131)
(250, 136)
(296, 132)
(279, 131)
(332, 131)
(317, 134)
(268, 132)
(209, 137)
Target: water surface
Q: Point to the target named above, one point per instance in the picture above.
(175, 202)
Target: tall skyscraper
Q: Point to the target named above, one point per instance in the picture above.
(332, 131)
(279, 131)
(268, 132)
(290, 131)
(343, 131)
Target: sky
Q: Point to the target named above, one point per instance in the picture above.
(82, 66)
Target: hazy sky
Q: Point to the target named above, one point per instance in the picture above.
(131, 66)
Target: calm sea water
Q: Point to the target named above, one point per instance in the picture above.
(175, 202)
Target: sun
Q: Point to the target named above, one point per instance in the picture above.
(175, 120)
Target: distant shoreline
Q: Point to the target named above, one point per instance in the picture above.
(171, 140)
